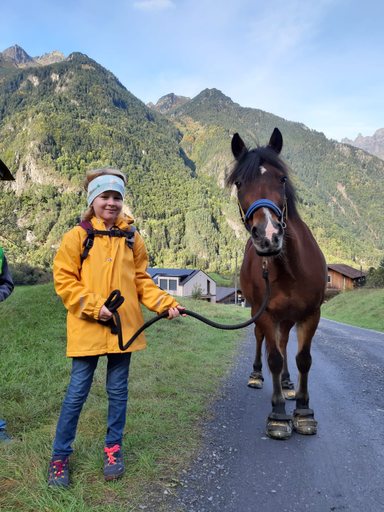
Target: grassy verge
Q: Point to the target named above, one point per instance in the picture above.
(362, 308)
(170, 386)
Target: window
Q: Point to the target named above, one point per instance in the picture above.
(172, 285)
(329, 279)
(208, 287)
(163, 284)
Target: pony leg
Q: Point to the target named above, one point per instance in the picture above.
(303, 417)
(256, 378)
(278, 422)
(287, 385)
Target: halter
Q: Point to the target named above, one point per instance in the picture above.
(264, 203)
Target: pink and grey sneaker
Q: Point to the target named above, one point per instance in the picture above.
(58, 475)
(113, 462)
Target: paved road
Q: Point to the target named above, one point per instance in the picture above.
(341, 468)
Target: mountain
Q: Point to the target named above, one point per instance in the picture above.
(169, 103)
(59, 120)
(16, 57)
(373, 145)
(340, 187)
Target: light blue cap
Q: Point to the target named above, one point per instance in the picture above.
(103, 184)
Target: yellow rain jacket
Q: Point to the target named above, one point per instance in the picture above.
(110, 265)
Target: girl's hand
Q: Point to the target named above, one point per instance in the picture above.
(174, 312)
(105, 314)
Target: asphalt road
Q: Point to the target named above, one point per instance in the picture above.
(239, 469)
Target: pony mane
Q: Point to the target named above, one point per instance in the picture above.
(247, 168)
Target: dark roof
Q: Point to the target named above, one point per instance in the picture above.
(223, 292)
(185, 274)
(346, 270)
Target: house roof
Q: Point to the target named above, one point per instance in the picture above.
(185, 274)
(346, 270)
(222, 292)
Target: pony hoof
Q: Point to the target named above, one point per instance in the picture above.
(255, 383)
(255, 380)
(279, 429)
(289, 394)
(279, 426)
(288, 389)
(304, 422)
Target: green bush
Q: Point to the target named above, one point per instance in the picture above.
(24, 274)
(375, 279)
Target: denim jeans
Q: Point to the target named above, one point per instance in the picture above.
(2, 424)
(83, 369)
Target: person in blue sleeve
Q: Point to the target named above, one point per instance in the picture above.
(6, 288)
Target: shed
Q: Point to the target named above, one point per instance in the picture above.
(183, 282)
(341, 277)
(226, 295)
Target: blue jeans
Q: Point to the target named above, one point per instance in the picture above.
(2, 424)
(83, 369)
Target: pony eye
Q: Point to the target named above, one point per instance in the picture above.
(283, 179)
(238, 184)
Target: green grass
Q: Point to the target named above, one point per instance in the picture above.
(362, 308)
(171, 385)
(220, 281)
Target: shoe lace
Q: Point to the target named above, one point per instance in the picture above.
(110, 452)
(60, 466)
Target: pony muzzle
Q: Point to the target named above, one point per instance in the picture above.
(267, 234)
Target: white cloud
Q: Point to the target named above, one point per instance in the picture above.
(153, 5)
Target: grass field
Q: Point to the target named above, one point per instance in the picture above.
(363, 308)
(170, 387)
(221, 281)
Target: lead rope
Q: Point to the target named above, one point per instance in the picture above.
(115, 300)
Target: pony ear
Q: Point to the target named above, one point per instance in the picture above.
(276, 141)
(237, 145)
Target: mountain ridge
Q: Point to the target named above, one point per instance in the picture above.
(16, 57)
(58, 121)
(372, 144)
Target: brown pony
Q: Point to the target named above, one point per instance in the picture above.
(280, 240)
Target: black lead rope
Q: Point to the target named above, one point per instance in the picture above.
(115, 300)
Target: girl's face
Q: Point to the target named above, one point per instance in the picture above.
(107, 207)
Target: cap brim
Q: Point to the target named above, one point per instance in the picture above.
(5, 173)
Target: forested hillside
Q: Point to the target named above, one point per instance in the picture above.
(340, 187)
(61, 120)
(58, 121)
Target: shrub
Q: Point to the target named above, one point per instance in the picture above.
(197, 292)
(375, 278)
(24, 274)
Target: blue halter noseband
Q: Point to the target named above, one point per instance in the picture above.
(261, 203)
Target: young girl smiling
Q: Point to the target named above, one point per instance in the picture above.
(84, 288)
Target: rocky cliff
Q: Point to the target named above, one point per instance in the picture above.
(168, 103)
(16, 57)
(373, 144)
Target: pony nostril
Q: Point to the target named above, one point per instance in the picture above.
(255, 234)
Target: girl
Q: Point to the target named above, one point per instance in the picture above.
(84, 287)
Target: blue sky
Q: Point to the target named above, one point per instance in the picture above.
(319, 62)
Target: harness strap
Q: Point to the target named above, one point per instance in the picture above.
(115, 231)
(262, 203)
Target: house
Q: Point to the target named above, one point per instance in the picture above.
(341, 277)
(183, 282)
(226, 295)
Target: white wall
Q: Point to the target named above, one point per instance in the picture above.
(200, 279)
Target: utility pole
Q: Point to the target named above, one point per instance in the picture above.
(236, 278)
